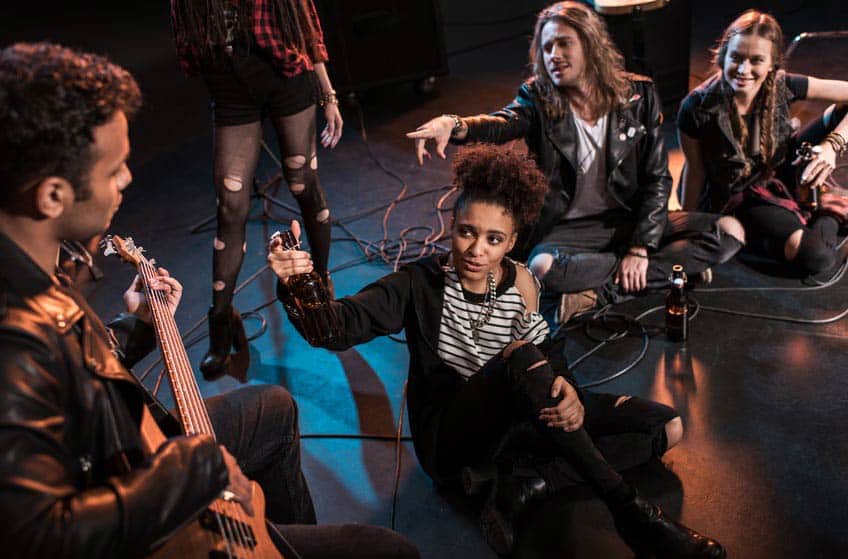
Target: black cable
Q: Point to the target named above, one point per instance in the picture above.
(398, 454)
(354, 436)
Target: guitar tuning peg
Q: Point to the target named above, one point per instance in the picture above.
(108, 246)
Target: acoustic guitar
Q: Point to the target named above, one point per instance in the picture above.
(223, 530)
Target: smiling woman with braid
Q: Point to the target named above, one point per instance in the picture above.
(740, 148)
(479, 371)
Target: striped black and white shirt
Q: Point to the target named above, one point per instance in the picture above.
(509, 321)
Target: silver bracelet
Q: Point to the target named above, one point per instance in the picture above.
(457, 124)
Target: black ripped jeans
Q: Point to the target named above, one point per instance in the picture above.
(504, 398)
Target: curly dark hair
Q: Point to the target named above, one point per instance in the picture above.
(51, 100)
(495, 175)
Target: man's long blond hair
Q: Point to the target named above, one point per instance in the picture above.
(605, 72)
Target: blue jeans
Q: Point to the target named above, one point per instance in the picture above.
(587, 251)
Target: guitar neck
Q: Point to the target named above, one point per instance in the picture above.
(190, 404)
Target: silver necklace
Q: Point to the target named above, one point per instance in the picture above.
(488, 306)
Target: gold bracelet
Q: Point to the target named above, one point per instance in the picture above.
(328, 98)
(838, 142)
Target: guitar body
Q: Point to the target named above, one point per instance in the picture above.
(201, 538)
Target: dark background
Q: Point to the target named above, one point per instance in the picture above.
(762, 466)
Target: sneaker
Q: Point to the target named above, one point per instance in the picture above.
(573, 303)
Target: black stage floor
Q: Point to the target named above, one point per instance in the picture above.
(762, 465)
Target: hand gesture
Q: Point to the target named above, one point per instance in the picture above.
(287, 263)
(632, 273)
(820, 167)
(568, 414)
(239, 489)
(332, 133)
(438, 129)
(135, 298)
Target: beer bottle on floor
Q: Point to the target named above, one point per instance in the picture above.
(318, 319)
(676, 307)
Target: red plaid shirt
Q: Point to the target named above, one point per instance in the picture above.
(268, 36)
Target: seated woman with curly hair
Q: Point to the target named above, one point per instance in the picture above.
(479, 371)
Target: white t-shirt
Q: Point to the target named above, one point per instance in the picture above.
(509, 321)
(590, 192)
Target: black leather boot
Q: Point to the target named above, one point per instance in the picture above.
(226, 332)
(650, 533)
(476, 479)
(509, 498)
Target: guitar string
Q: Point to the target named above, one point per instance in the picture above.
(232, 529)
(237, 523)
(193, 408)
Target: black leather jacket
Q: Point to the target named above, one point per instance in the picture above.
(74, 480)
(707, 108)
(410, 299)
(637, 162)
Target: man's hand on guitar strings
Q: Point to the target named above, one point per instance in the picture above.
(239, 489)
(136, 300)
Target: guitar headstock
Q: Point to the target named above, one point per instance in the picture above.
(126, 249)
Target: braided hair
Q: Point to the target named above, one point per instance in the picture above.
(754, 22)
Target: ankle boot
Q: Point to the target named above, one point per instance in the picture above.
(226, 332)
(649, 532)
(476, 479)
(509, 498)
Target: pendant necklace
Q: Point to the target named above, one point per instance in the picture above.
(488, 306)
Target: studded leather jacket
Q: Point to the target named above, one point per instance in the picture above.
(74, 479)
(637, 162)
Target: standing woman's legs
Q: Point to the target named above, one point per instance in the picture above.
(236, 156)
(297, 137)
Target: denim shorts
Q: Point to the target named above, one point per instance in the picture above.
(244, 87)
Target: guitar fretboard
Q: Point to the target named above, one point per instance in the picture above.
(190, 405)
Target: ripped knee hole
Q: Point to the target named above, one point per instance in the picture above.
(621, 400)
(233, 183)
(295, 161)
(537, 364)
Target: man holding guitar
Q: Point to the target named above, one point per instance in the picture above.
(85, 471)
